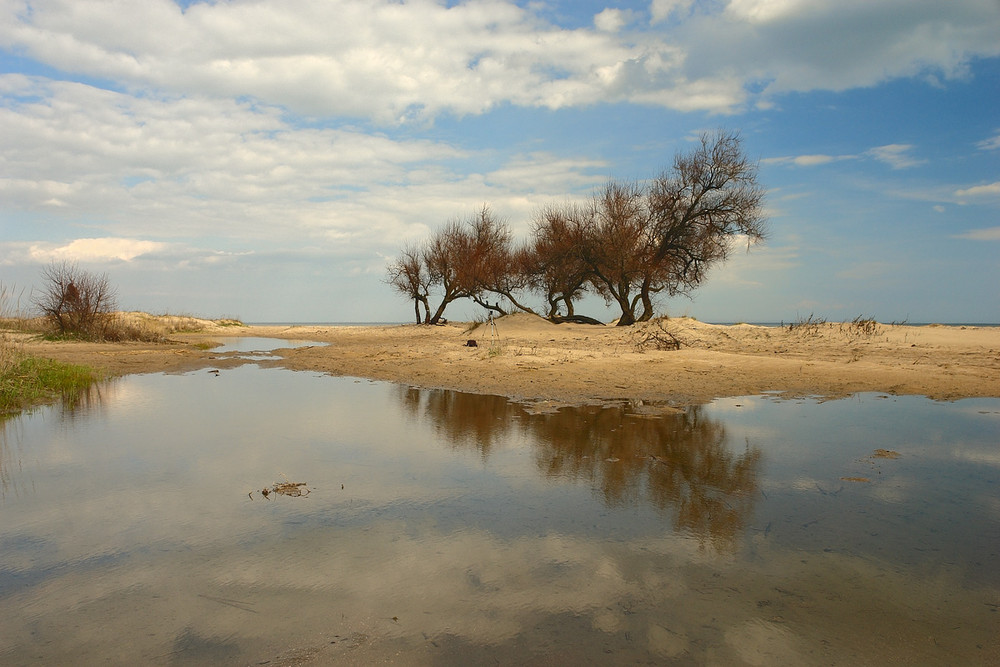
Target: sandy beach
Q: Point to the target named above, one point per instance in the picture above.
(527, 358)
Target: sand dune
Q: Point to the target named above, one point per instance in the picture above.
(526, 357)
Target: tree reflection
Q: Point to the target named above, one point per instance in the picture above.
(465, 420)
(678, 462)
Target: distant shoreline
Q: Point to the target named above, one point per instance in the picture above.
(527, 358)
(723, 324)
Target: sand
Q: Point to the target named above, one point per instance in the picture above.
(527, 358)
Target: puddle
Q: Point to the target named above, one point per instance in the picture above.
(258, 345)
(449, 528)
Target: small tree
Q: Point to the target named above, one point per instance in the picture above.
(494, 265)
(617, 246)
(632, 242)
(76, 302)
(408, 275)
(710, 198)
(553, 258)
(447, 258)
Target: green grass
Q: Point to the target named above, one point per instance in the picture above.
(27, 381)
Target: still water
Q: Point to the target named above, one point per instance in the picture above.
(438, 527)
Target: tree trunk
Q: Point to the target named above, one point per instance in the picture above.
(440, 311)
(647, 303)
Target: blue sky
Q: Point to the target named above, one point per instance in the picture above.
(265, 159)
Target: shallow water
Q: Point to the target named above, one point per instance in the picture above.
(257, 344)
(449, 528)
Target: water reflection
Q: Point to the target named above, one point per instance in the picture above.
(258, 344)
(444, 528)
(10, 455)
(85, 403)
(680, 462)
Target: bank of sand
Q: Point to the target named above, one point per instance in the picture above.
(528, 358)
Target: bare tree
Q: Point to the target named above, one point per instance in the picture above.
(76, 302)
(408, 275)
(631, 243)
(493, 264)
(617, 245)
(446, 257)
(639, 241)
(710, 199)
(554, 260)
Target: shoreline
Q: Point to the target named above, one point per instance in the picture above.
(529, 359)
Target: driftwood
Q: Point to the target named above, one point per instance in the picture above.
(575, 319)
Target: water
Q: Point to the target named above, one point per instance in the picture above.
(256, 344)
(449, 528)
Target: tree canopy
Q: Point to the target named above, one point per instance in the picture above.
(631, 243)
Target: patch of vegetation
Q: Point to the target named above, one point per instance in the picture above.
(27, 381)
(809, 326)
(229, 322)
(861, 327)
(654, 336)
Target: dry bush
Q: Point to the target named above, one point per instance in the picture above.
(654, 335)
(809, 326)
(75, 302)
(861, 327)
(119, 328)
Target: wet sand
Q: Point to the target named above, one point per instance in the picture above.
(527, 358)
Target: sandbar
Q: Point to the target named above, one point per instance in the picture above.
(530, 359)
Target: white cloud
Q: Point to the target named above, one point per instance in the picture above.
(807, 160)
(898, 156)
(991, 144)
(172, 168)
(799, 45)
(986, 234)
(88, 250)
(401, 61)
(895, 155)
(988, 190)
(765, 11)
(611, 20)
(662, 10)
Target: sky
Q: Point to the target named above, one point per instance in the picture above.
(265, 159)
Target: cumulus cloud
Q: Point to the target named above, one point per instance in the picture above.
(173, 168)
(663, 10)
(611, 20)
(417, 59)
(88, 250)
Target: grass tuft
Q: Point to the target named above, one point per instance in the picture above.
(27, 381)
